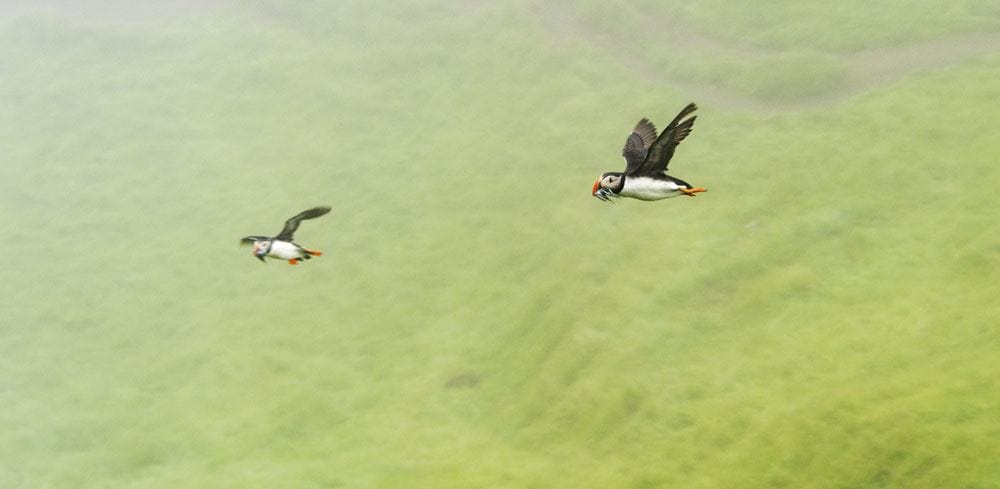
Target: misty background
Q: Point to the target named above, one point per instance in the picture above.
(825, 316)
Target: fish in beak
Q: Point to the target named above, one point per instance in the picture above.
(601, 193)
(259, 251)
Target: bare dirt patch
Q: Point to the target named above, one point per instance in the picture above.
(467, 380)
(885, 65)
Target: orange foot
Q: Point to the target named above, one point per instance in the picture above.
(692, 191)
(312, 252)
(293, 261)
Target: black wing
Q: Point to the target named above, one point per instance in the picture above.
(662, 149)
(637, 144)
(292, 224)
(252, 239)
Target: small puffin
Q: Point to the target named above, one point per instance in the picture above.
(646, 157)
(281, 246)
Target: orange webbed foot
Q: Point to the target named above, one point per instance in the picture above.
(312, 252)
(293, 261)
(692, 191)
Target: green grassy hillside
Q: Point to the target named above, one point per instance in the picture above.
(825, 316)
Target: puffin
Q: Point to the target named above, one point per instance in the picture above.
(646, 158)
(281, 246)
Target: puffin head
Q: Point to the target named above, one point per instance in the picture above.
(260, 249)
(261, 245)
(607, 186)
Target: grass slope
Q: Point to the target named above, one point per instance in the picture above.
(824, 317)
(785, 54)
(845, 26)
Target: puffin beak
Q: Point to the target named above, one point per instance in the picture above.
(601, 193)
(258, 252)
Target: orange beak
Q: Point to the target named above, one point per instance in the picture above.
(601, 193)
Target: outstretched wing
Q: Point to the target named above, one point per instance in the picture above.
(292, 224)
(251, 240)
(637, 144)
(662, 149)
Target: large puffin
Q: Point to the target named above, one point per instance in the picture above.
(281, 246)
(646, 157)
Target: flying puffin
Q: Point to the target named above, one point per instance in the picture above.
(281, 246)
(646, 156)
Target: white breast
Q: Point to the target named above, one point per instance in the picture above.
(284, 250)
(645, 188)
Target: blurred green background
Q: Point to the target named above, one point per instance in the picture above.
(826, 316)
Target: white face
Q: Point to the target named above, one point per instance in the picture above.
(604, 185)
(260, 247)
(610, 181)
